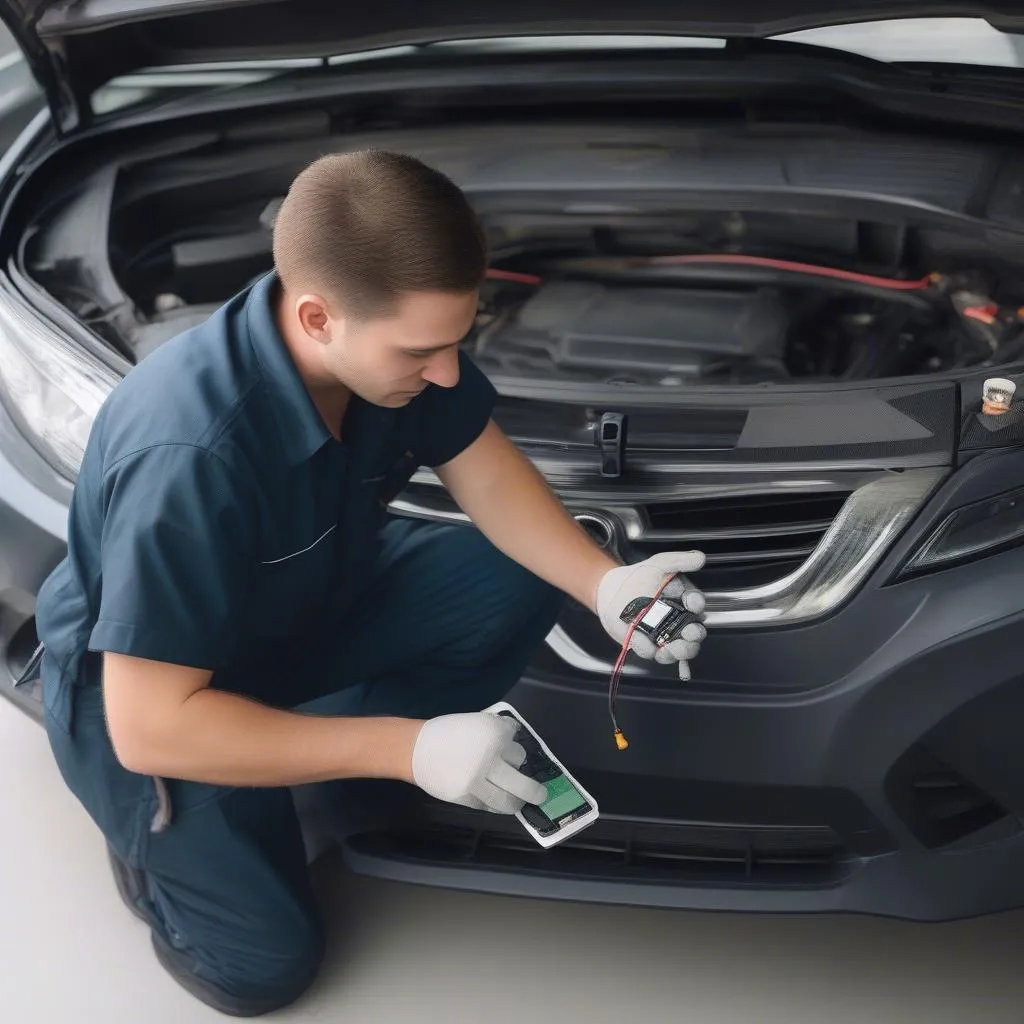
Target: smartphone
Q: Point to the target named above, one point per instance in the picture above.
(569, 808)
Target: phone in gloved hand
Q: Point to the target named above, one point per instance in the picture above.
(569, 808)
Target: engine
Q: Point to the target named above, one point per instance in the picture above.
(582, 330)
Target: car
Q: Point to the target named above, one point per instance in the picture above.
(756, 288)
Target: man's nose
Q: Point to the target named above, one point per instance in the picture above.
(443, 369)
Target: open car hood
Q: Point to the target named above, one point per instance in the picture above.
(75, 46)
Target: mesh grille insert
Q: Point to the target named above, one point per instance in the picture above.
(798, 855)
(748, 541)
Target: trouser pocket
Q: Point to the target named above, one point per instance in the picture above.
(58, 693)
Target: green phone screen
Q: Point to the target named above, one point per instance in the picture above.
(563, 798)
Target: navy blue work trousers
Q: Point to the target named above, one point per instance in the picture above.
(447, 624)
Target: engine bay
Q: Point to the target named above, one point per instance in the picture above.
(660, 298)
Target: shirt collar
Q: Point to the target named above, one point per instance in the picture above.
(303, 431)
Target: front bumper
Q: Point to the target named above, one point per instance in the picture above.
(867, 763)
(792, 805)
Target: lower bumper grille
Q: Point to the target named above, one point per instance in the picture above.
(679, 854)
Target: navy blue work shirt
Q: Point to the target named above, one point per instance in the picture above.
(215, 516)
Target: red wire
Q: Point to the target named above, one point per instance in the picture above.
(613, 686)
(893, 283)
(511, 275)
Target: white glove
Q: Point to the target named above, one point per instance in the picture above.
(628, 582)
(471, 759)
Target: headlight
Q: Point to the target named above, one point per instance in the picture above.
(971, 532)
(50, 385)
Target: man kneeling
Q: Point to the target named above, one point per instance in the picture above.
(231, 559)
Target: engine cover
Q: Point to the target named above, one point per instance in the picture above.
(590, 331)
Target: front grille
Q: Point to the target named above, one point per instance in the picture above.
(748, 540)
(621, 849)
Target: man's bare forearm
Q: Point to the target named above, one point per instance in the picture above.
(224, 739)
(512, 504)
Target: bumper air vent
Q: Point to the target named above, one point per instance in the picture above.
(620, 849)
(938, 804)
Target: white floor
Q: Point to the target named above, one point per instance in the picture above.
(70, 952)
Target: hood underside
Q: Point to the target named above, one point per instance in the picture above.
(75, 46)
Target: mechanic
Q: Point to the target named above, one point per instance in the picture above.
(231, 561)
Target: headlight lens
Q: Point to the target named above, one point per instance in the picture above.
(971, 532)
(50, 385)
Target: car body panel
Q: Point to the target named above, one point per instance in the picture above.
(21, 97)
(75, 47)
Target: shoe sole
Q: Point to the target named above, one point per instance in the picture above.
(179, 967)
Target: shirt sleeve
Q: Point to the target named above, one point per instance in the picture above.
(453, 418)
(175, 557)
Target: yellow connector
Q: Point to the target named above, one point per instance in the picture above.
(620, 741)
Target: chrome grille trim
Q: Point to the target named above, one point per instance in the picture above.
(573, 654)
(424, 509)
(873, 515)
(738, 532)
(863, 531)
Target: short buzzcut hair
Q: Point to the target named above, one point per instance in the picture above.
(366, 227)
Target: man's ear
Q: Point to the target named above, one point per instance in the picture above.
(314, 315)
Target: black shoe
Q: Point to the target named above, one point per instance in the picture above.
(130, 882)
(131, 887)
(181, 968)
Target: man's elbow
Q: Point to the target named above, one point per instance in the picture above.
(137, 751)
(143, 703)
(143, 742)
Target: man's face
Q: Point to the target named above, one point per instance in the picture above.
(389, 360)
